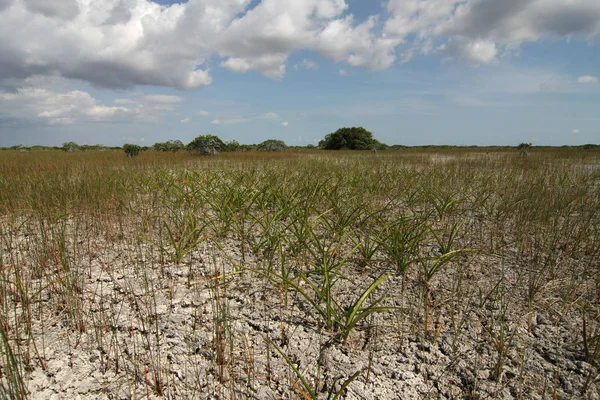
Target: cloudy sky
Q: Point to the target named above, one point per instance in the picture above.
(411, 71)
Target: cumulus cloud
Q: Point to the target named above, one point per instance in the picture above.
(48, 105)
(576, 132)
(517, 21)
(587, 79)
(203, 113)
(64, 9)
(57, 108)
(306, 64)
(476, 52)
(478, 31)
(284, 123)
(216, 122)
(270, 65)
(123, 43)
(110, 43)
(185, 121)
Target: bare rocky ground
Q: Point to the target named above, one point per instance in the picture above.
(124, 322)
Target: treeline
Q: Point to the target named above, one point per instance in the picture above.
(354, 138)
(70, 146)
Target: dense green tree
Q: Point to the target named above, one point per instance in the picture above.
(70, 146)
(171, 145)
(247, 147)
(272, 145)
(355, 138)
(207, 144)
(234, 145)
(131, 150)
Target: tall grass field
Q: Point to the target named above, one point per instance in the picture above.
(408, 274)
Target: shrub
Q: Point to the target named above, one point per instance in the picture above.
(272, 145)
(355, 138)
(131, 150)
(207, 144)
(524, 146)
(171, 145)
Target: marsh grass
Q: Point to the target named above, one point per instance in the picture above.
(98, 250)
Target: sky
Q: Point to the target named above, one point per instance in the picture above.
(413, 72)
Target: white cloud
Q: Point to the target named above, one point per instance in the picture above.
(186, 120)
(479, 31)
(65, 9)
(203, 113)
(110, 43)
(123, 43)
(215, 122)
(269, 115)
(284, 123)
(56, 104)
(60, 108)
(476, 52)
(270, 65)
(587, 79)
(341, 40)
(162, 99)
(306, 64)
(576, 132)
(343, 72)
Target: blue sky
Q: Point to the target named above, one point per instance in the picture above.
(468, 72)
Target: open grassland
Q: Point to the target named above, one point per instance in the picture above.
(397, 275)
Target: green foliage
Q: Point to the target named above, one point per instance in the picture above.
(272, 145)
(524, 146)
(234, 145)
(131, 150)
(355, 138)
(590, 146)
(207, 144)
(70, 146)
(171, 145)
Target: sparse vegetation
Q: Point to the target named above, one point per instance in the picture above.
(421, 273)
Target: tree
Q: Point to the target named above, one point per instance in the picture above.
(355, 138)
(524, 146)
(207, 144)
(131, 150)
(272, 145)
(70, 146)
(171, 145)
(234, 145)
